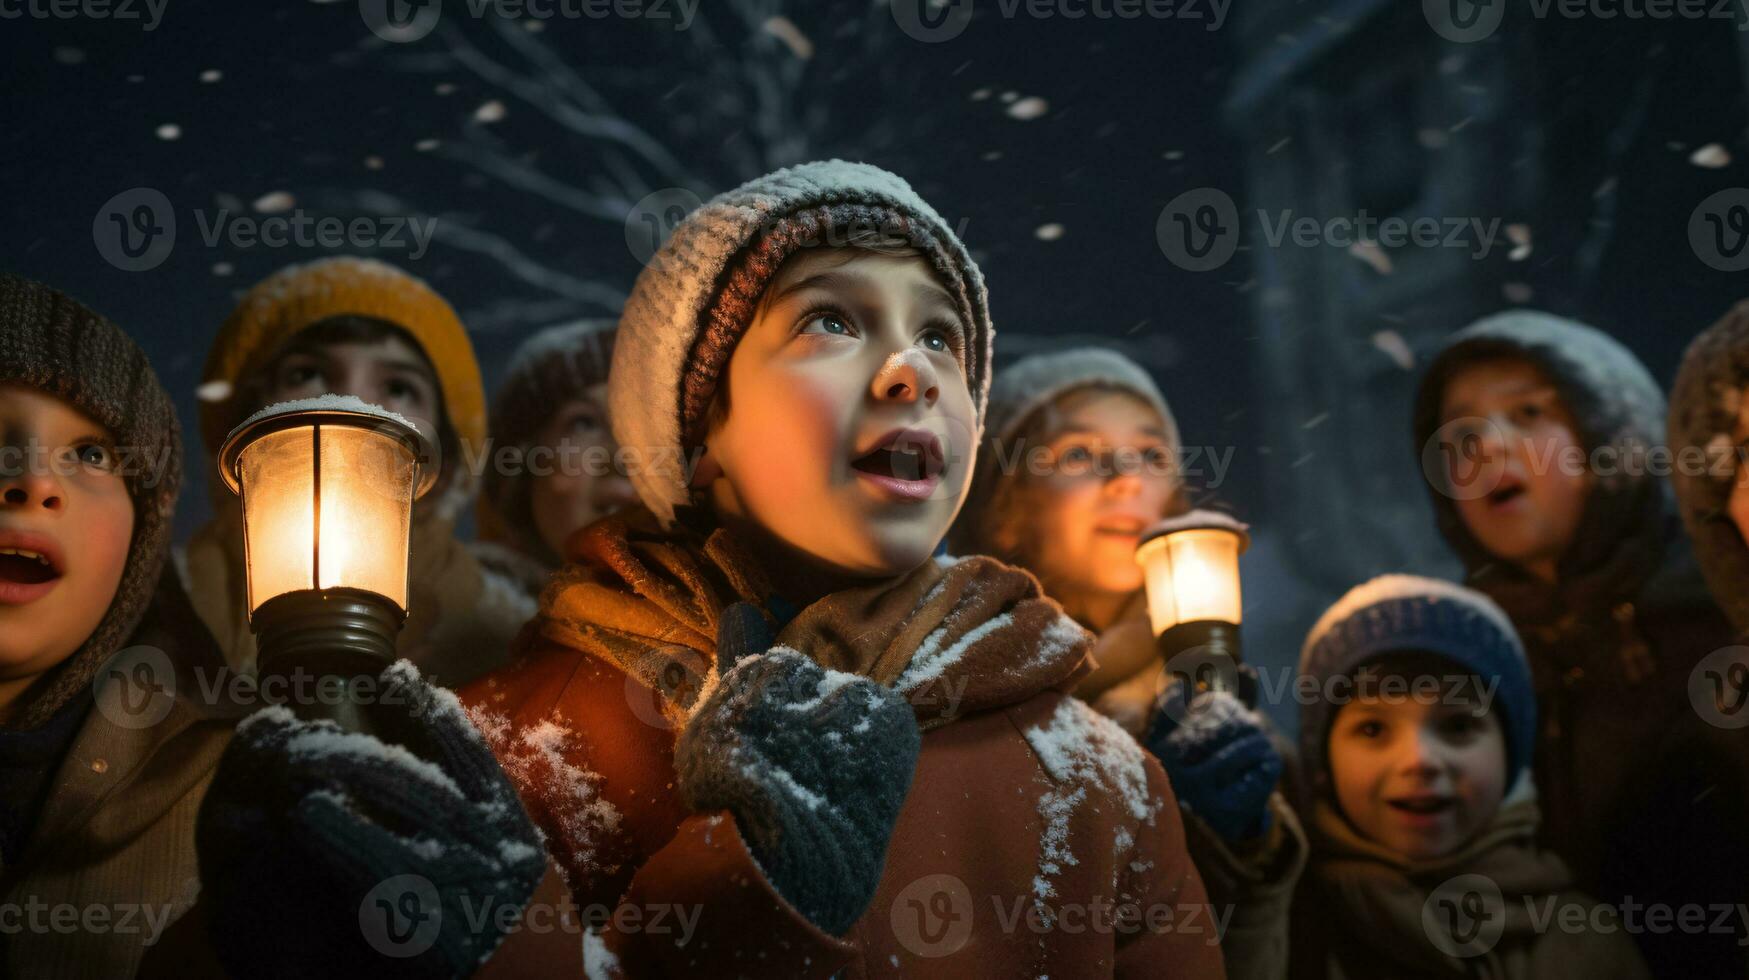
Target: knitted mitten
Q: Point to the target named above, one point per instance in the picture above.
(1221, 763)
(814, 764)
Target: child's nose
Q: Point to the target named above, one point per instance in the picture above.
(28, 487)
(906, 377)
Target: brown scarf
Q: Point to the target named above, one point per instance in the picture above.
(954, 637)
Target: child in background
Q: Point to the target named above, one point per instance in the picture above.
(551, 413)
(1106, 448)
(1420, 804)
(359, 327)
(97, 804)
(1534, 434)
(760, 696)
(1709, 416)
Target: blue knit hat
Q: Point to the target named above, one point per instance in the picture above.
(1410, 614)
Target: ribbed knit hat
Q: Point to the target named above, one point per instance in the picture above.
(551, 368)
(1410, 614)
(1021, 389)
(1709, 411)
(51, 343)
(696, 298)
(300, 296)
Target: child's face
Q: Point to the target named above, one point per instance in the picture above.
(577, 488)
(61, 499)
(1738, 506)
(1111, 474)
(1415, 775)
(1525, 455)
(850, 427)
(390, 372)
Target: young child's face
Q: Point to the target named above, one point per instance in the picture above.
(1738, 506)
(1525, 455)
(850, 427)
(390, 372)
(576, 489)
(1416, 775)
(1111, 474)
(67, 520)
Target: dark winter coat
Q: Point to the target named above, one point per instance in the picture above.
(1643, 799)
(1023, 804)
(1709, 413)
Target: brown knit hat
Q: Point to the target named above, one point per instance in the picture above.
(52, 344)
(696, 298)
(551, 368)
(1709, 411)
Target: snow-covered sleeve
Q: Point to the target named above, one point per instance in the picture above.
(593, 761)
(1157, 873)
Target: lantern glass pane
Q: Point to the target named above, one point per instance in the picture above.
(367, 500)
(1156, 562)
(278, 486)
(1205, 575)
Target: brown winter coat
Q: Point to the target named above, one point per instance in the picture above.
(1365, 913)
(1024, 804)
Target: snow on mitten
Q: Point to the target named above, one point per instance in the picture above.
(323, 851)
(1221, 763)
(813, 763)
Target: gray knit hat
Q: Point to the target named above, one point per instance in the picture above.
(52, 344)
(696, 298)
(1034, 382)
(1709, 411)
(551, 368)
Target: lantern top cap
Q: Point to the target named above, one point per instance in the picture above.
(344, 410)
(1200, 520)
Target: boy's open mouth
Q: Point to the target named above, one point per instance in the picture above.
(29, 566)
(1423, 805)
(907, 462)
(1510, 489)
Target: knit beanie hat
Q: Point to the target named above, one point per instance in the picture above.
(1410, 614)
(696, 298)
(551, 368)
(1709, 411)
(51, 343)
(300, 296)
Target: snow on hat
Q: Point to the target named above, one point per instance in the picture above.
(51, 343)
(1032, 383)
(696, 298)
(549, 369)
(1411, 614)
(301, 296)
(1709, 410)
(1615, 403)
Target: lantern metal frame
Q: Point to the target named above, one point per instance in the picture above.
(1211, 641)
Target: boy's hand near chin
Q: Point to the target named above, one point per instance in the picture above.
(813, 764)
(1219, 759)
(326, 850)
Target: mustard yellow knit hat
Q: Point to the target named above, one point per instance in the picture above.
(299, 296)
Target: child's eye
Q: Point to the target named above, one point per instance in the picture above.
(1156, 456)
(1370, 729)
(828, 322)
(937, 341)
(96, 456)
(401, 390)
(301, 374)
(1079, 455)
(1461, 726)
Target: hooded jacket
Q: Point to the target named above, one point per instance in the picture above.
(1027, 810)
(1642, 799)
(1709, 412)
